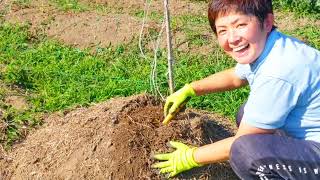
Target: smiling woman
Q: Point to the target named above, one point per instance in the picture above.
(241, 29)
(283, 75)
(242, 36)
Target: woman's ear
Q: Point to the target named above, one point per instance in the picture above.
(268, 22)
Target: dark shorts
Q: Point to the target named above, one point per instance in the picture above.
(274, 156)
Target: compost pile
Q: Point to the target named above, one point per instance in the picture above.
(112, 140)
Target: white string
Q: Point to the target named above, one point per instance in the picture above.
(145, 14)
(154, 67)
(153, 74)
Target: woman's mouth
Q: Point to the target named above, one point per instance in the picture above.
(241, 50)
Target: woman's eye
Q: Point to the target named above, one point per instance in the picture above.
(241, 25)
(221, 32)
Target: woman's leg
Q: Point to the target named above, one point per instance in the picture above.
(269, 156)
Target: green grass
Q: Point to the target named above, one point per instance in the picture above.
(22, 3)
(153, 15)
(309, 34)
(78, 6)
(60, 77)
(193, 27)
(194, 67)
(301, 8)
(70, 5)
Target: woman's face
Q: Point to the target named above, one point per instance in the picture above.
(242, 36)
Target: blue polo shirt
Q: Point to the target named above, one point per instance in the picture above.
(285, 88)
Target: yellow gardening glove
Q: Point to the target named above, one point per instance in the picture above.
(178, 161)
(176, 101)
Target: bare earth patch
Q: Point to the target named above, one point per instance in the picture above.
(118, 25)
(91, 29)
(288, 22)
(78, 29)
(177, 7)
(17, 102)
(112, 140)
(36, 17)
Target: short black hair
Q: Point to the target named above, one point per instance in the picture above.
(257, 8)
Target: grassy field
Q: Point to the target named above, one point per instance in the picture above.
(55, 77)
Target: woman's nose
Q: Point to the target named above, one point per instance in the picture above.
(233, 37)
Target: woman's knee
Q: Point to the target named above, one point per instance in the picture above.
(242, 148)
(243, 154)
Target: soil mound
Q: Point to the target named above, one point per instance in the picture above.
(112, 140)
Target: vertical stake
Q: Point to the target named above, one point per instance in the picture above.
(169, 47)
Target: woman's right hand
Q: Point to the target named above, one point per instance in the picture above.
(176, 101)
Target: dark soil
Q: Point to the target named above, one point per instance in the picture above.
(112, 140)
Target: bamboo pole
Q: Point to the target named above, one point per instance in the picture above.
(169, 47)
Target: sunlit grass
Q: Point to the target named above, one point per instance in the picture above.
(301, 8)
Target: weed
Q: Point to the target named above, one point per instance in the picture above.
(72, 5)
(16, 123)
(22, 3)
(153, 15)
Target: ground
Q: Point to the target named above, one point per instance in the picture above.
(117, 138)
(116, 24)
(113, 140)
